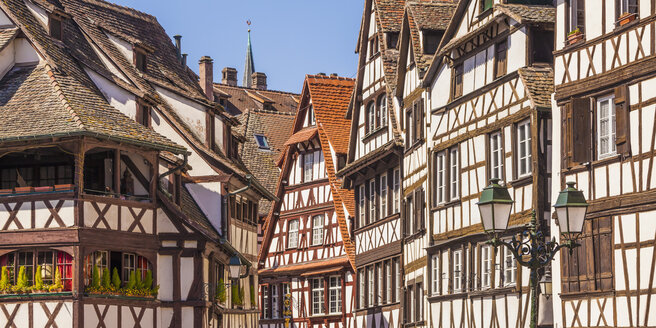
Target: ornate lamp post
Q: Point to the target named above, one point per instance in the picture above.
(532, 250)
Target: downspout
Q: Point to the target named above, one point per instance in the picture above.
(177, 168)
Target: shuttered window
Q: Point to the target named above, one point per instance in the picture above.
(606, 127)
(622, 121)
(362, 210)
(454, 173)
(440, 178)
(382, 195)
(457, 81)
(501, 59)
(589, 268)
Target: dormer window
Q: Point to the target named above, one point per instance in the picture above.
(392, 39)
(55, 26)
(262, 142)
(140, 59)
(373, 46)
(143, 114)
(486, 5)
(432, 41)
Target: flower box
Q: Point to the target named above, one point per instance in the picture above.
(6, 192)
(43, 189)
(24, 190)
(64, 187)
(574, 37)
(626, 18)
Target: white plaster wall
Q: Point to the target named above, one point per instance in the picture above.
(7, 59)
(38, 12)
(118, 97)
(192, 113)
(517, 43)
(186, 276)
(24, 52)
(165, 277)
(123, 46)
(4, 20)
(208, 198)
(187, 316)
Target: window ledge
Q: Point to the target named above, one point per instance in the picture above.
(415, 324)
(415, 235)
(592, 293)
(373, 133)
(607, 160)
(484, 13)
(636, 20)
(521, 181)
(446, 205)
(414, 146)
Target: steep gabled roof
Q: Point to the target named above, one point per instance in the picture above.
(539, 82)
(80, 104)
(329, 96)
(242, 99)
(426, 16)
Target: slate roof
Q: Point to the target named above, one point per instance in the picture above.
(528, 13)
(7, 35)
(427, 16)
(390, 14)
(241, 99)
(539, 82)
(277, 127)
(61, 77)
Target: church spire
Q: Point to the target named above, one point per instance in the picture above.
(249, 67)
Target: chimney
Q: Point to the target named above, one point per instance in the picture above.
(322, 74)
(206, 73)
(178, 47)
(259, 81)
(229, 76)
(333, 75)
(184, 60)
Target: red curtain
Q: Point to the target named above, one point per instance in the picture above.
(65, 267)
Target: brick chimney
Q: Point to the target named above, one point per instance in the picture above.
(229, 76)
(259, 81)
(206, 72)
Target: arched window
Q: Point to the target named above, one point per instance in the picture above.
(371, 117)
(49, 260)
(123, 262)
(382, 110)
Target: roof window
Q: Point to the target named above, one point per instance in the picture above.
(262, 141)
(140, 59)
(55, 25)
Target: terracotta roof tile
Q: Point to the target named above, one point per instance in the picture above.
(302, 136)
(390, 13)
(330, 100)
(539, 82)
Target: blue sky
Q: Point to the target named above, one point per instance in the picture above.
(290, 38)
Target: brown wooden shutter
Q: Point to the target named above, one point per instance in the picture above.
(622, 121)
(581, 130)
(566, 136)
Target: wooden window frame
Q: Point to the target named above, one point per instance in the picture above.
(266, 306)
(56, 30)
(457, 271)
(509, 267)
(289, 225)
(501, 156)
(396, 190)
(318, 228)
(612, 151)
(518, 148)
(457, 87)
(501, 58)
(337, 290)
(435, 274)
(487, 276)
(143, 114)
(362, 205)
(275, 301)
(440, 181)
(624, 7)
(373, 204)
(321, 289)
(370, 118)
(383, 196)
(572, 16)
(454, 177)
(381, 111)
(140, 59)
(307, 156)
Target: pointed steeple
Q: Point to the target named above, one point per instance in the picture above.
(249, 67)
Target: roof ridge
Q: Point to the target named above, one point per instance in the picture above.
(330, 77)
(123, 9)
(255, 89)
(62, 97)
(274, 112)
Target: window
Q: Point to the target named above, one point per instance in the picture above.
(409, 128)
(435, 274)
(410, 303)
(419, 302)
(49, 260)
(335, 295)
(625, 7)
(454, 174)
(415, 211)
(317, 296)
(382, 110)
(399, 279)
(275, 310)
(605, 127)
(576, 15)
(55, 27)
(140, 60)
(590, 267)
(371, 117)
(486, 5)
(265, 302)
(317, 230)
(373, 46)
(486, 266)
(510, 267)
(361, 206)
(457, 271)
(372, 200)
(542, 43)
(440, 177)
(409, 215)
(432, 41)
(496, 156)
(292, 234)
(308, 163)
(143, 115)
(311, 118)
(392, 39)
(383, 196)
(363, 293)
(25, 259)
(397, 191)
(379, 283)
(262, 142)
(414, 126)
(370, 285)
(388, 281)
(99, 259)
(457, 81)
(501, 59)
(524, 166)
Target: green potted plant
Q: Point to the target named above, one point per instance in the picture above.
(116, 282)
(236, 295)
(253, 296)
(5, 286)
(38, 281)
(574, 36)
(57, 287)
(221, 291)
(21, 286)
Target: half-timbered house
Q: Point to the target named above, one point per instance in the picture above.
(91, 185)
(489, 118)
(423, 26)
(373, 168)
(306, 260)
(604, 141)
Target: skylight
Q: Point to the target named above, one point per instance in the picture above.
(262, 141)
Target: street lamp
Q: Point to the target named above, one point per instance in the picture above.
(234, 267)
(532, 250)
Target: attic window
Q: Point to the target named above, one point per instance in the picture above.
(432, 41)
(262, 142)
(55, 27)
(143, 114)
(140, 60)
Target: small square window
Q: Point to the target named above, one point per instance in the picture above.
(262, 141)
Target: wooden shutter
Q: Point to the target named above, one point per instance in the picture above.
(622, 121)
(581, 130)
